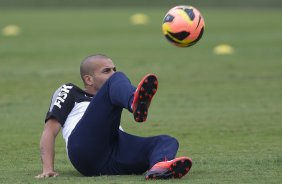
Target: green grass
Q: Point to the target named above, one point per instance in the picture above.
(224, 110)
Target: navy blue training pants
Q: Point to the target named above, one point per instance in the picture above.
(97, 146)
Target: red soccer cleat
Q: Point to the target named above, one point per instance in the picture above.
(143, 95)
(176, 168)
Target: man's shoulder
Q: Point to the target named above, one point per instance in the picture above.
(69, 86)
(65, 90)
(73, 89)
(72, 92)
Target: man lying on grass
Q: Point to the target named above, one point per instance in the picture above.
(90, 122)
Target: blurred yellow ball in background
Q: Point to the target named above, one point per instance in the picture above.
(223, 49)
(11, 30)
(139, 19)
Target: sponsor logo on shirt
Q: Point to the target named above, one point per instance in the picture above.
(62, 95)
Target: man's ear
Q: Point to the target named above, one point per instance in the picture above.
(88, 79)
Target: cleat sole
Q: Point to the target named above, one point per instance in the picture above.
(145, 92)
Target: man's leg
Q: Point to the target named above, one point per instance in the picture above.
(135, 155)
(97, 146)
(91, 142)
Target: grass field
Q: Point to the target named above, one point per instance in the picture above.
(225, 110)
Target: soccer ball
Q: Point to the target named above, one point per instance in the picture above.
(183, 26)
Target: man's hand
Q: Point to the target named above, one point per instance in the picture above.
(47, 175)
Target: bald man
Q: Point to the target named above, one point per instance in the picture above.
(90, 123)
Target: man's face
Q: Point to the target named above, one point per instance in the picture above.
(104, 69)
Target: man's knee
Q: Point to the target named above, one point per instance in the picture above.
(166, 139)
(117, 75)
(120, 90)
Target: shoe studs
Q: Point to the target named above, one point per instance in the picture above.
(145, 91)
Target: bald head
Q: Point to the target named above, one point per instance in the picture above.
(89, 64)
(95, 70)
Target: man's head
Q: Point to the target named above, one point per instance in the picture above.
(95, 70)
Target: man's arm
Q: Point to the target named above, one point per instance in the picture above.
(47, 148)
